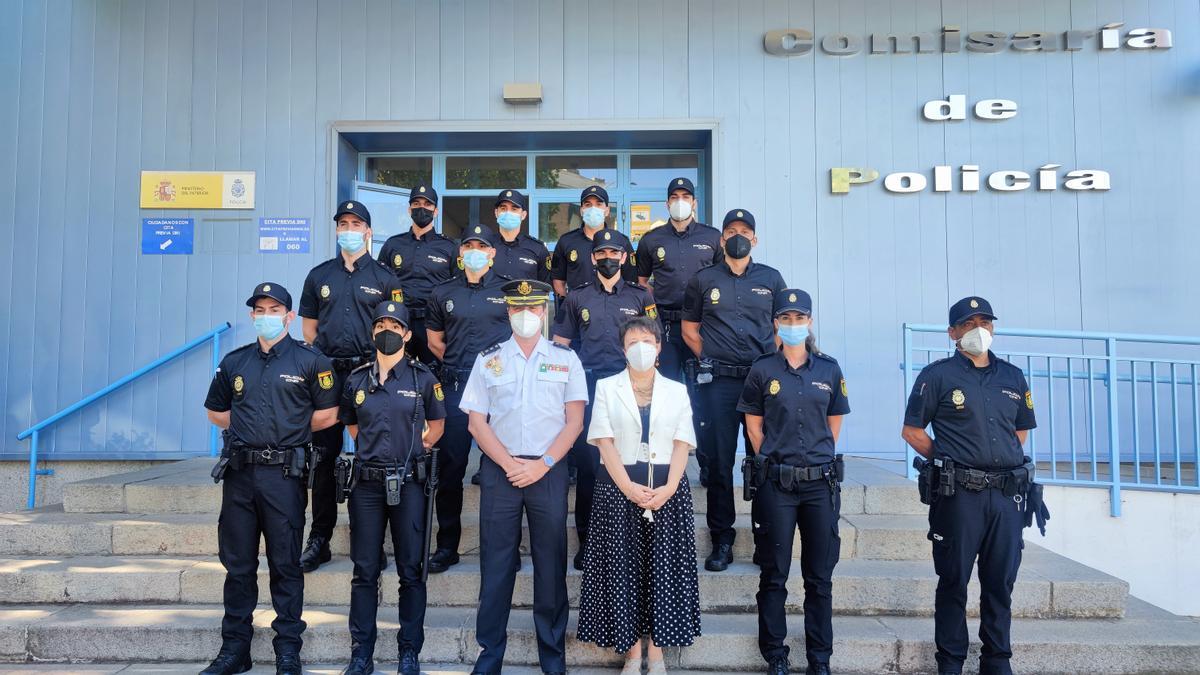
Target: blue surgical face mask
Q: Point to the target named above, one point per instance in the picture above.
(351, 242)
(793, 335)
(475, 260)
(593, 216)
(509, 220)
(268, 326)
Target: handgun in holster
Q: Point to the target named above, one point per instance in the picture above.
(227, 458)
(343, 478)
(945, 476)
(754, 474)
(924, 469)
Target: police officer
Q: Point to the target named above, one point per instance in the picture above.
(593, 314)
(794, 400)
(337, 304)
(518, 255)
(393, 408)
(421, 259)
(727, 323)
(525, 398)
(268, 395)
(981, 410)
(465, 316)
(571, 264)
(670, 256)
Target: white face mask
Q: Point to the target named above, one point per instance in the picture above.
(525, 324)
(976, 341)
(641, 356)
(680, 209)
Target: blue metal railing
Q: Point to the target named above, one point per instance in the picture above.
(1098, 411)
(34, 431)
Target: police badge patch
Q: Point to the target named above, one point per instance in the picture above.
(660, 252)
(325, 379)
(574, 256)
(773, 388)
(715, 295)
(238, 384)
(325, 291)
(449, 306)
(359, 397)
(958, 398)
(396, 260)
(585, 315)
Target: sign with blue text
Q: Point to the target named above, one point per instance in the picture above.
(167, 236)
(283, 235)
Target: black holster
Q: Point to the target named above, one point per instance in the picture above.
(924, 478)
(231, 458)
(297, 462)
(754, 474)
(344, 477)
(943, 473)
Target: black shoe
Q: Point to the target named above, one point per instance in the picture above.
(288, 664)
(577, 563)
(778, 666)
(315, 553)
(360, 665)
(229, 663)
(720, 558)
(817, 669)
(442, 560)
(475, 478)
(756, 559)
(409, 663)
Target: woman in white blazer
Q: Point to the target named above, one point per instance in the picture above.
(639, 568)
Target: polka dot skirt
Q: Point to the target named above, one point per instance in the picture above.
(639, 577)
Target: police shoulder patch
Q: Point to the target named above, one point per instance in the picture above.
(652, 311)
(397, 295)
(437, 391)
(844, 391)
(1029, 399)
(325, 379)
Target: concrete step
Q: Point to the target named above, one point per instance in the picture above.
(51, 531)
(871, 487)
(1049, 585)
(1147, 640)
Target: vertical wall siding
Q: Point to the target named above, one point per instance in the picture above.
(94, 92)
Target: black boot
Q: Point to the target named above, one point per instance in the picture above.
(817, 669)
(360, 665)
(475, 478)
(778, 666)
(315, 553)
(288, 664)
(229, 663)
(442, 560)
(410, 663)
(720, 558)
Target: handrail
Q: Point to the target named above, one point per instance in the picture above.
(34, 431)
(1120, 399)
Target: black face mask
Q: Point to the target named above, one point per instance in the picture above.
(388, 342)
(737, 247)
(608, 267)
(422, 216)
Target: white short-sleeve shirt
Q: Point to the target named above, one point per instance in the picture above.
(525, 398)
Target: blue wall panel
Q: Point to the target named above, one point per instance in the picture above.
(98, 91)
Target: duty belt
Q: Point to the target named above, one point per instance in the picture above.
(670, 314)
(725, 370)
(452, 377)
(378, 472)
(786, 474)
(265, 456)
(977, 480)
(415, 311)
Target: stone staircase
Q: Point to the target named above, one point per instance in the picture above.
(125, 571)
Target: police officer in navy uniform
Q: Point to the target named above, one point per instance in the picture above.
(269, 396)
(981, 410)
(794, 400)
(571, 263)
(670, 256)
(525, 398)
(421, 259)
(466, 315)
(593, 314)
(728, 323)
(393, 408)
(337, 304)
(518, 255)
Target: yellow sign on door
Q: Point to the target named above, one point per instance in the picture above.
(197, 190)
(640, 221)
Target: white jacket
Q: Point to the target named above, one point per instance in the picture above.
(615, 415)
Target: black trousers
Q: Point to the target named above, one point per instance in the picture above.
(328, 444)
(369, 517)
(969, 525)
(258, 500)
(813, 508)
(455, 447)
(587, 463)
(674, 352)
(719, 399)
(545, 506)
(418, 344)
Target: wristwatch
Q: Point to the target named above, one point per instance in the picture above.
(548, 460)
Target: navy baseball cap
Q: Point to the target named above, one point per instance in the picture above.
(390, 309)
(613, 239)
(594, 191)
(793, 300)
(480, 233)
(681, 183)
(272, 290)
(423, 190)
(736, 215)
(969, 307)
(513, 197)
(357, 208)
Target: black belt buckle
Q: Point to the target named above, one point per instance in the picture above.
(392, 482)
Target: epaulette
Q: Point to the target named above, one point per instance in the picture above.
(492, 350)
(823, 355)
(242, 348)
(561, 346)
(368, 364)
(764, 356)
(418, 365)
(583, 285)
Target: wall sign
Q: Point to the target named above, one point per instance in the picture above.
(171, 236)
(197, 190)
(283, 235)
